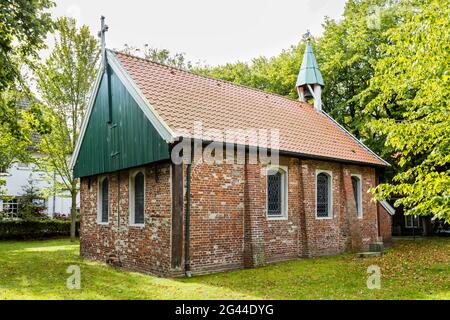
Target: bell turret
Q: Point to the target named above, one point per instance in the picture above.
(310, 81)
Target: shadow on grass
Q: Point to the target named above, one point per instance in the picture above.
(37, 270)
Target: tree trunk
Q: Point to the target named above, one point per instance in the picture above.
(73, 212)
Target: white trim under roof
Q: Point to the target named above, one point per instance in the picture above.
(354, 138)
(387, 207)
(163, 129)
(158, 123)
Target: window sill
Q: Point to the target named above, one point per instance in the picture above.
(103, 223)
(137, 225)
(281, 218)
(324, 218)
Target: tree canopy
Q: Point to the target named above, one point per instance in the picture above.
(385, 66)
(164, 56)
(64, 81)
(412, 78)
(24, 25)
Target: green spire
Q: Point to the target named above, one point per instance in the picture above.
(309, 71)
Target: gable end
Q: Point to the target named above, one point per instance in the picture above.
(117, 134)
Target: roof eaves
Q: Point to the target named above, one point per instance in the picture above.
(387, 164)
(391, 210)
(294, 153)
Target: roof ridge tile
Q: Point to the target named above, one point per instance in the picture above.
(212, 78)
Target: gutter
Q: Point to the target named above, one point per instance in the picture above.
(187, 235)
(301, 155)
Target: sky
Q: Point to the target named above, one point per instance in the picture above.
(211, 32)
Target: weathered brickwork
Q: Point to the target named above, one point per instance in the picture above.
(229, 227)
(385, 225)
(281, 236)
(145, 249)
(217, 212)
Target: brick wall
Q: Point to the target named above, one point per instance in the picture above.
(229, 226)
(385, 225)
(341, 232)
(281, 236)
(217, 216)
(145, 249)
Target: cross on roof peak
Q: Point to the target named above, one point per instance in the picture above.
(101, 35)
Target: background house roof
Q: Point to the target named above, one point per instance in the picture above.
(182, 98)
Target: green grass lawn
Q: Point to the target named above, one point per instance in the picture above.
(410, 270)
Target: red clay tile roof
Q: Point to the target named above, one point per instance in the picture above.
(181, 98)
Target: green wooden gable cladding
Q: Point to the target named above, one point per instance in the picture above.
(118, 134)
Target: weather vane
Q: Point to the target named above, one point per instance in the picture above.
(307, 36)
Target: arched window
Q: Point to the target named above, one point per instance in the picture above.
(323, 195)
(356, 183)
(137, 198)
(103, 200)
(277, 192)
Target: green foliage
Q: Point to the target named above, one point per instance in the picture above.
(22, 118)
(64, 81)
(163, 56)
(35, 229)
(11, 146)
(23, 27)
(31, 205)
(346, 53)
(65, 78)
(412, 79)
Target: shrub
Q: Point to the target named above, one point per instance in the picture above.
(23, 229)
(61, 217)
(31, 204)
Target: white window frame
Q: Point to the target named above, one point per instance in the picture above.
(411, 226)
(284, 192)
(131, 198)
(8, 201)
(360, 212)
(330, 193)
(99, 200)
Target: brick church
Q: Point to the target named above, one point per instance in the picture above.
(293, 184)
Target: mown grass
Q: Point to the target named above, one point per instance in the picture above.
(409, 270)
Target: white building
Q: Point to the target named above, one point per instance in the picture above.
(17, 176)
